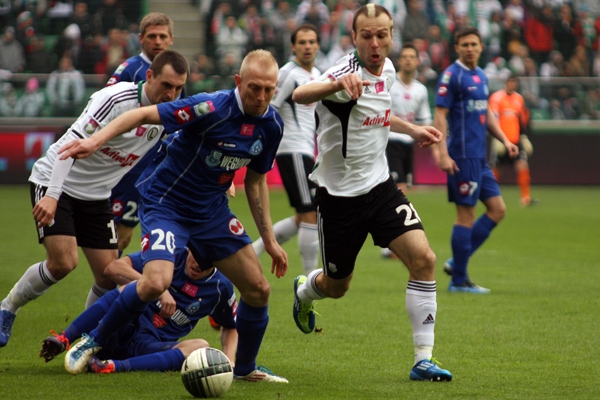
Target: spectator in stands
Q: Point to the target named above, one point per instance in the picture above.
(114, 51)
(216, 22)
(83, 19)
(425, 74)
(588, 31)
(31, 102)
(530, 87)
(539, 33)
(228, 68)
(596, 65)
(564, 32)
(516, 63)
(555, 66)
(201, 76)
(578, 65)
(6, 15)
(8, 100)
(25, 30)
(312, 12)
(515, 11)
(40, 60)
(416, 22)
(343, 47)
(512, 36)
(92, 59)
(438, 49)
(231, 40)
(108, 17)
(591, 104)
(69, 43)
(59, 13)
(12, 55)
(497, 73)
(278, 18)
(261, 35)
(66, 89)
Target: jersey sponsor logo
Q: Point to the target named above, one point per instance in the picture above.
(183, 115)
(152, 133)
(145, 245)
(122, 159)
(476, 79)
(247, 130)
(229, 145)
(212, 160)
(226, 178)
(446, 77)
(236, 227)
(121, 68)
(117, 207)
(406, 96)
(193, 308)
(379, 86)
(158, 321)
(204, 108)
(376, 120)
(443, 90)
(234, 163)
(366, 89)
(477, 105)
(257, 148)
(180, 318)
(140, 131)
(189, 289)
(91, 126)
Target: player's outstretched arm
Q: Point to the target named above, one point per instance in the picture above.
(424, 135)
(318, 90)
(125, 122)
(257, 193)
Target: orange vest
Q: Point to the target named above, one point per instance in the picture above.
(510, 111)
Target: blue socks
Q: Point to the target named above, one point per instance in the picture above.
(481, 231)
(169, 360)
(123, 310)
(88, 320)
(465, 241)
(251, 324)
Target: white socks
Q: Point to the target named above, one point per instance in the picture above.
(95, 293)
(421, 306)
(308, 242)
(34, 283)
(284, 230)
(308, 291)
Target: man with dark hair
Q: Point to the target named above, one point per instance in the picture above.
(463, 116)
(71, 200)
(296, 153)
(356, 195)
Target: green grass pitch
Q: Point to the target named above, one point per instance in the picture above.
(535, 336)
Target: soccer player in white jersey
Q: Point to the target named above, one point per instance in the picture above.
(296, 153)
(410, 103)
(356, 195)
(71, 199)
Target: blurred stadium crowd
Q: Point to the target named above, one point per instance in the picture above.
(546, 43)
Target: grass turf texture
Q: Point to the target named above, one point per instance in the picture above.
(534, 337)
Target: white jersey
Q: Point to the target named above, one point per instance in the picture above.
(298, 119)
(409, 103)
(93, 178)
(352, 135)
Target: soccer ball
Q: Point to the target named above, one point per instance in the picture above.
(207, 373)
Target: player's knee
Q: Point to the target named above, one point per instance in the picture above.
(258, 294)
(124, 242)
(497, 213)
(188, 346)
(150, 289)
(61, 265)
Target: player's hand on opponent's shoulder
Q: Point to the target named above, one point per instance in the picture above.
(44, 211)
(279, 264)
(167, 305)
(353, 84)
(79, 148)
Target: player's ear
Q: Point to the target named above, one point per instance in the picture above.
(148, 75)
(238, 80)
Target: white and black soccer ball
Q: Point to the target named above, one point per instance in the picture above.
(207, 373)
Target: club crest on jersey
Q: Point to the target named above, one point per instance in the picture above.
(204, 108)
(118, 207)
(193, 308)
(247, 130)
(158, 321)
(236, 227)
(464, 188)
(91, 126)
(183, 115)
(443, 90)
(152, 133)
(145, 244)
(257, 148)
(213, 159)
(189, 289)
(120, 158)
(376, 120)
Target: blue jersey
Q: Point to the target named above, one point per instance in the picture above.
(132, 70)
(464, 92)
(213, 295)
(216, 139)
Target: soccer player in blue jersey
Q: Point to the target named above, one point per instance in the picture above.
(184, 203)
(156, 35)
(151, 342)
(463, 116)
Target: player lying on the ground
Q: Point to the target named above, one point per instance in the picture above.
(151, 342)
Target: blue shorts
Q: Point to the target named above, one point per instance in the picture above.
(215, 237)
(125, 199)
(475, 181)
